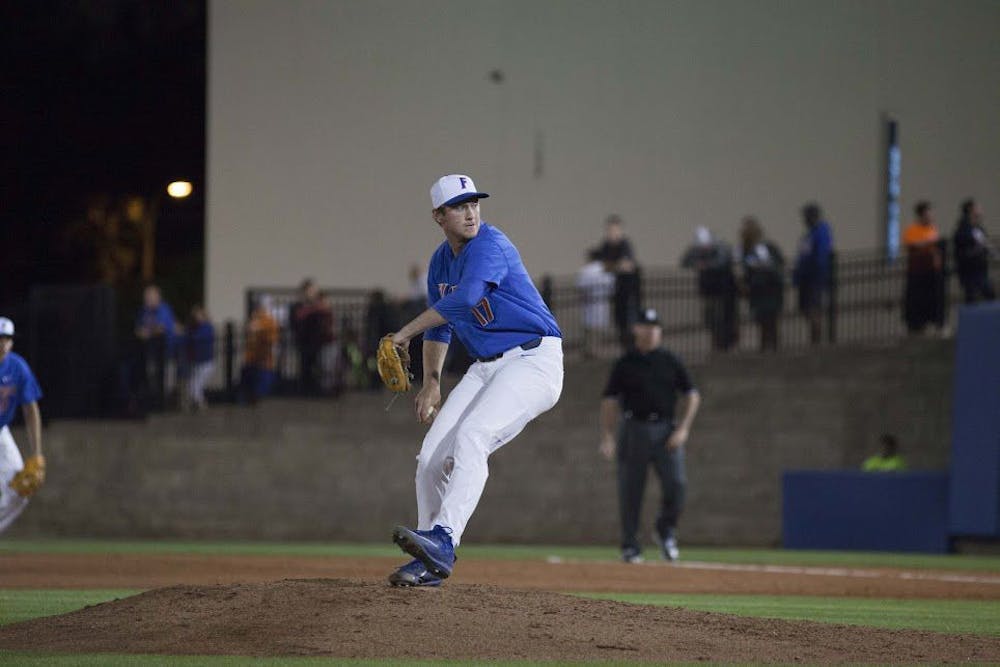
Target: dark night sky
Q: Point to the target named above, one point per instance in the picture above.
(97, 97)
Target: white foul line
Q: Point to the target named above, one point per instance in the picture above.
(817, 571)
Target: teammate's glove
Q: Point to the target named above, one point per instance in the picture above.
(27, 481)
(393, 365)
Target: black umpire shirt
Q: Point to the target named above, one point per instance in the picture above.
(647, 384)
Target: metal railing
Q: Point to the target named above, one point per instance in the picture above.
(865, 305)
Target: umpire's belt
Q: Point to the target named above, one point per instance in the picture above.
(651, 417)
(530, 345)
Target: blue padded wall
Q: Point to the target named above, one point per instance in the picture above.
(974, 509)
(847, 509)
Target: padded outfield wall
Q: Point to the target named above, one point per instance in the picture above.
(328, 121)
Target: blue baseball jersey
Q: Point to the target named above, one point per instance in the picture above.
(486, 295)
(17, 386)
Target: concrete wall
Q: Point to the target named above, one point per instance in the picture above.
(328, 121)
(344, 470)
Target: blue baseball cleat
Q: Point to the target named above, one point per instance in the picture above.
(431, 547)
(413, 573)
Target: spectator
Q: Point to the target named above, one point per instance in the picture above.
(713, 259)
(311, 323)
(643, 389)
(414, 303)
(972, 254)
(257, 375)
(924, 298)
(353, 359)
(595, 287)
(813, 267)
(331, 379)
(416, 290)
(618, 257)
(888, 460)
(763, 281)
(156, 331)
(380, 318)
(200, 356)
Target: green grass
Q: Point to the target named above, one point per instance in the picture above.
(24, 604)
(952, 616)
(504, 552)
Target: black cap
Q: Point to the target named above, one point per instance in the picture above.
(647, 316)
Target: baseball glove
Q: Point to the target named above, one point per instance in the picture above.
(393, 365)
(27, 480)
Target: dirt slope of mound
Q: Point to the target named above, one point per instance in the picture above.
(365, 619)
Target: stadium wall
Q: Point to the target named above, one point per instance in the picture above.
(328, 121)
(324, 470)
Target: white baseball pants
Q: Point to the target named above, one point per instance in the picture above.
(491, 404)
(11, 504)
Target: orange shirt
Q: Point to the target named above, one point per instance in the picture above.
(924, 254)
(919, 234)
(262, 337)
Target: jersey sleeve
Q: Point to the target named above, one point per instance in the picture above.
(486, 262)
(441, 334)
(485, 267)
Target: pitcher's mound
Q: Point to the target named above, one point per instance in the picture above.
(364, 619)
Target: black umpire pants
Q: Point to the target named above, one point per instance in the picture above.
(641, 444)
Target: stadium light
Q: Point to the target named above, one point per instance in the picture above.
(179, 189)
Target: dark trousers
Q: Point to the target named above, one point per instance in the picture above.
(720, 318)
(924, 300)
(641, 444)
(977, 287)
(309, 371)
(627, 297)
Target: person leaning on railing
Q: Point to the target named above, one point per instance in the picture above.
(257, 374)
(972, 254)
(923, 302)
(712, 258)
(763, 280)
(813, 269)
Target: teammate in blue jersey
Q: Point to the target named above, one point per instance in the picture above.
(18, 388)
(480, 292)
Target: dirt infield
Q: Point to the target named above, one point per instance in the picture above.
(340, 607)
(151, 571)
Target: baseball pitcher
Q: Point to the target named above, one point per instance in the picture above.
(479, 291)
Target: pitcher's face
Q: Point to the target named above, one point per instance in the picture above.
(460, 223)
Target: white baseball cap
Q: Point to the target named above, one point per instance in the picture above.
(6, 327)
(454, 189)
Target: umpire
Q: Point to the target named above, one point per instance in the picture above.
(644, 386)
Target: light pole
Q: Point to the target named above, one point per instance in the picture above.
(176, 190)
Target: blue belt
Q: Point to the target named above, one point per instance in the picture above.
(530, 345)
